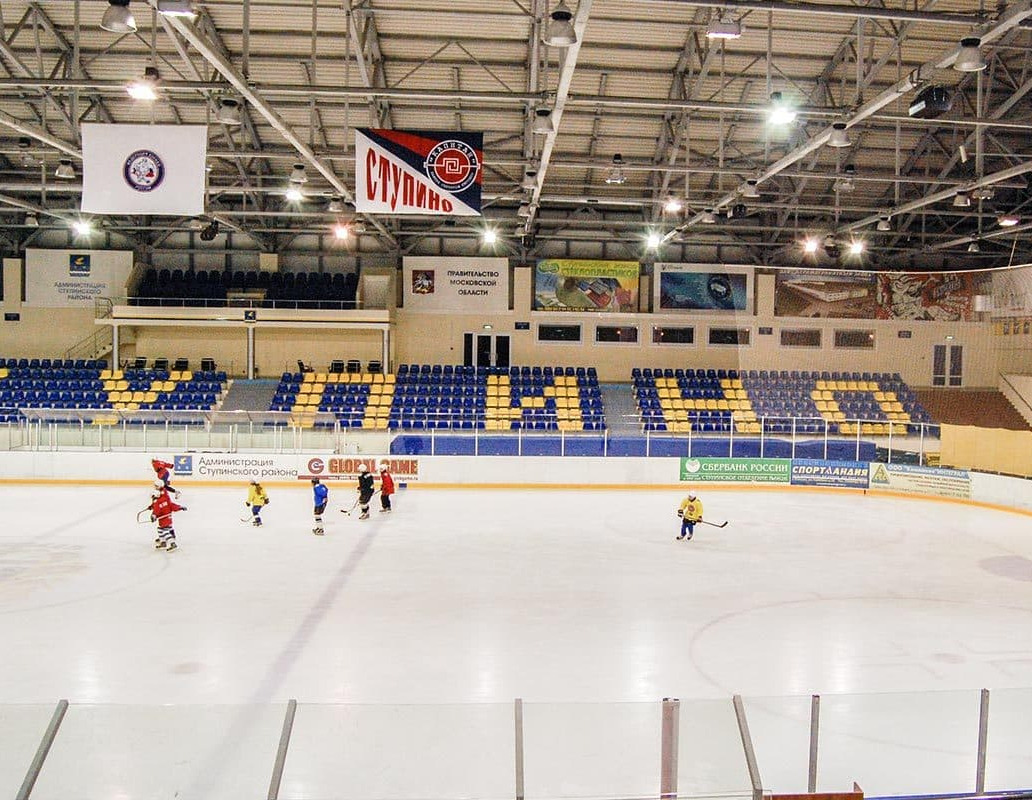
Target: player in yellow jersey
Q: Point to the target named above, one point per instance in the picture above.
(690, 513)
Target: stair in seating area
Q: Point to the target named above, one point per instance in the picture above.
(244, 395)
(986, 408)
(621, 411)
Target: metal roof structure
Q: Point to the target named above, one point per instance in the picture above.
(656, 125)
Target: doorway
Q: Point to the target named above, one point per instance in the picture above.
(947, 365)
(485, 349)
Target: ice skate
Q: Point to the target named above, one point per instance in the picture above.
(160, 544)
(385, 511)
(318, 531)
(364, 515)
(256, 523)
(172, 546)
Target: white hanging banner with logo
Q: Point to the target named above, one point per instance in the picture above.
(450, 285)
(418, 172)
(74, 278)
(143, 169)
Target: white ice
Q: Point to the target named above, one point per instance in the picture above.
(580, 602)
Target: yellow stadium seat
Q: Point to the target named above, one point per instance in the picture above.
(722, 405)
(150, 397)
(822, 384)
(822, 406)
(815, 394)
(105, 375)
(3, 373)
(187, 375)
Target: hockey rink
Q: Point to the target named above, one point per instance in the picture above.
(580, 602)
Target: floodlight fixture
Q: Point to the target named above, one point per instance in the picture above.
(542, 121)
(82, 227)
(724, 28)
(961, 200)
(118, 18)
(560, 31)
(974, 248)
(490, 236)
(341, 232)
(653, 241)
(1008, 220)
(672, 205)
(856, 247)
(969, 57)
(884, 225)
(615, 176)
(228, 112)
(708, 217)
(839, 137)
(294, 195)
(523, 210)
(177, 8)
(810, 245)
(298, 175)
(750, 189)
(335, 206)
(145, 88)
(65, 170)
(780, 112)
(32, 220)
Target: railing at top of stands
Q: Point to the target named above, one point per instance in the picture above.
(240, 302)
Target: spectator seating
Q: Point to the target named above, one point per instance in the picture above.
(777, 401)
(90, 384)
(447, 397)
(178, 287)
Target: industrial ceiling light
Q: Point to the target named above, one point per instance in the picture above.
(810, 246)
(82, 227)
(542, 120)
(145, 88)
(228, 112)
(523, 210)
(341, 232)
(974, 248)
(177, 8)
(856, 247)
(336, 206)
(653, 241)
(118, 18)
(737, 211)
(983, 193)
(65, 170)
(750, 189)
(724, 28)
(529, 179)
(839, 137)
(297, 175)
(490, 236)
(560, 32)
(969, 57)
(1007, 220)
(844, 182)
(961, 200)
(672, 205)
(294, 195)
(615, 176)
(31, 220)
(780, 112)
(209, 232)
(708, 217)
(884, 224)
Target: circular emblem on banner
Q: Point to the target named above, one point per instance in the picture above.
(452, 165)
(144, 170)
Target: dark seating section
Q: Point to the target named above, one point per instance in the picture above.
(89, 384)
(707, 400)
(164, 287)
(447, 397)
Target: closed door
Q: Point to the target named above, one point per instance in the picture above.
(485, 350)
(948, 365)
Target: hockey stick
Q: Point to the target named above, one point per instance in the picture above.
(714, 524)
(349, 510)
(146, 519)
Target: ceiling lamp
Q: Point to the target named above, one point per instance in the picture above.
(737, 211)
(1007, 220)
(969, 57)
(708, 217)
(490, 236)
(672, 205)
(31, 220)
(523, 210)
(529, 182)
(844, 182)
(974, 248)
(839, 137)
(146, 88)
(297, 175)
(856, 247)
(65, 170)
(542, 120)
(615, 176)
(810, 246)
(884, 224)
(961, 200)
(750, 189)
(335, 206)
(210, 231)
(294, 195)
(982, 193)
(118, 18)
(82, 227)
(341, 232)
(177, 8)
(228, 112)
(560, 32)
(780, 112)
(653, 241)
(724, 28)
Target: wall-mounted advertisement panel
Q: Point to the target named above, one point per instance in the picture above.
(456, 285)
(824, 293)
(702, 287)
(74, 278)
(583, 285)
(1012, 293)
(942, 297)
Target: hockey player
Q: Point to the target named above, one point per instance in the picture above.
(386, 487)
(365, 490)
(690, 513)
(320, 495)
(162, 507)
(161, 469)
(257, 499)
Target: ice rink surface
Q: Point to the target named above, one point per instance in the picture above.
(478, 597)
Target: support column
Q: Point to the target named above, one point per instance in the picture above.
(115, 346)
(250, 352)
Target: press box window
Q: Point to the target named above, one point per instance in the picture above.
(614, 333)
(855, 340)
(735, 336)
(807, 337)
(558, 333)
(662, 335)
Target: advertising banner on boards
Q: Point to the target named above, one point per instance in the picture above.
(817, 472)
(582, 285)
(737, 470)
(74, 278)
(418, 172)
(921, 480)
(702, 287)
(455, 285)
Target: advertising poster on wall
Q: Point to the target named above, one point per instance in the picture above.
(582, 285)
(943, 297)
(702, 287)
(921, 480)
(74, 278)
(455, 285)
(824, 293)
(1012, 292)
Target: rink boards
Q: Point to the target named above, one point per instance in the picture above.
(703, 474)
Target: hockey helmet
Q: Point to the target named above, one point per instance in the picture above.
(362, 469)
(315, 481)
(254, 481)
(691, 495)
(384, 466)
(159, 485)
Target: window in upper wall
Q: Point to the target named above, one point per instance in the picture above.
(662, 334)
(558, 333)
(735, 336)
(854, 339)
(616, 333)
(800, 337)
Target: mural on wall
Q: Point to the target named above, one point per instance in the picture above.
(943, 297)
(702, 287)
(1012, 292)
(583, 285)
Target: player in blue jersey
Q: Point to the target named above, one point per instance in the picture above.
(320, 495)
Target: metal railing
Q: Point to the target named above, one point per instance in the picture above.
(239, 302)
